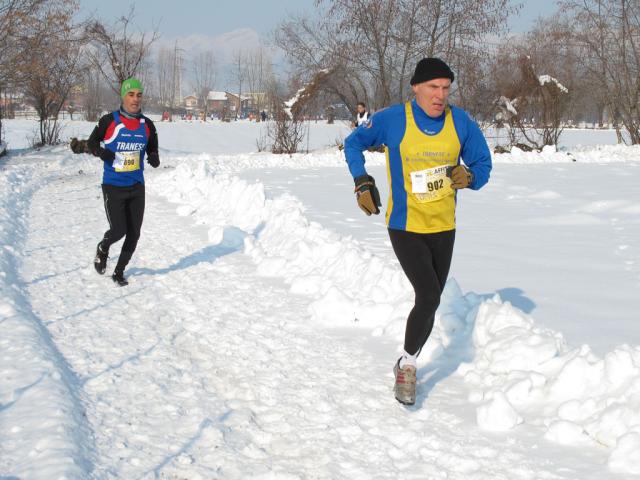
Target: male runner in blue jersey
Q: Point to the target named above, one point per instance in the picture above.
(122, 139)
(424, 139)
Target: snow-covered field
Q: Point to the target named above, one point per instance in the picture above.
(265, 312)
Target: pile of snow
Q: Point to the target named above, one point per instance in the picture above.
(44, 433)
(302, 161)
(518, 373)
(549, 154)
(284, 243)
(334, 158)
(523, 373)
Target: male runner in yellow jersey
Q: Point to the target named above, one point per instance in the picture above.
(425, 140)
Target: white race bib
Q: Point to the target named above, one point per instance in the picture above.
(431, 184)
(127, 161)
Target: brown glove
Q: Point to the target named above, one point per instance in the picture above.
(460, 176)
(367, 195)
(78, 146)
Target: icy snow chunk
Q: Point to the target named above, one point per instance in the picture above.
(566, 433)
(576, 378)
(497, 415)
(216, 234)
(620, 366)
(625, 458)
(577, 410)
(614, 422)
(520, 391)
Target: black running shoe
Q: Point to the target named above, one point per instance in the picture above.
(100, 262)
(118, 277)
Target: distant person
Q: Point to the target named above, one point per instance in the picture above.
(362, 115)
(263, 115)
(128, 138)
(424, 139)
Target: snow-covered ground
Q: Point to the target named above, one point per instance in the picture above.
(264, 314)
(183, 137)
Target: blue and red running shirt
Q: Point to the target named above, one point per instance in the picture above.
(131, 139)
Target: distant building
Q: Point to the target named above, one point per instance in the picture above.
(217, 103)
(190, 102)
(226, 104)
(235, 101)
(258, 101)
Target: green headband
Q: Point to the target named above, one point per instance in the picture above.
(130, 84)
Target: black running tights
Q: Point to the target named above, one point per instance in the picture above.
(425, 259)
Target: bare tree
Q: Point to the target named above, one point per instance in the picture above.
(204, 78)
(541, 103)
(164, 77)
(168, 72)
(51, 70)
(16, 18)
(93, 94)
(239, 73)
(258, 74)
(372, 46)
(118, 52)
(608, 31)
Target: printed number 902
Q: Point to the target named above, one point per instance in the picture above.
(435, 185)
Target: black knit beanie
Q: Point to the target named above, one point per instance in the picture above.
(430, 68)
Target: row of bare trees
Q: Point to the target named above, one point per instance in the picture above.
(46, 53)
(581, 64)
(372, 46)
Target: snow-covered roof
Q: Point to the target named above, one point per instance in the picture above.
(217, 96)
(243, 97)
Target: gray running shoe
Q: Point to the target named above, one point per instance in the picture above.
(405, 386)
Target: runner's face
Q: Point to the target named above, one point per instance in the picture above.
(132, 101)
(360, 109)
(432, 95)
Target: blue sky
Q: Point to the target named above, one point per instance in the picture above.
(211, 17)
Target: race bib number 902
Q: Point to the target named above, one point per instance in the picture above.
(127, 161)
(431, 184)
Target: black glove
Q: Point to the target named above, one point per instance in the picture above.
(460, 176)
(153, 159)
(78, 146)
(367, 194)
(105, 154)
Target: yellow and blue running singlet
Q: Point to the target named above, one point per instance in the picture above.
(427, 202)
(419, 149)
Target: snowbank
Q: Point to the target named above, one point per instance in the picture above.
(517, 372)
(303, 161)
(521, 371)
(334, 158)
(580, 154)
(44, 434)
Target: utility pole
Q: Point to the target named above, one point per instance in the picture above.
(177, 76)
